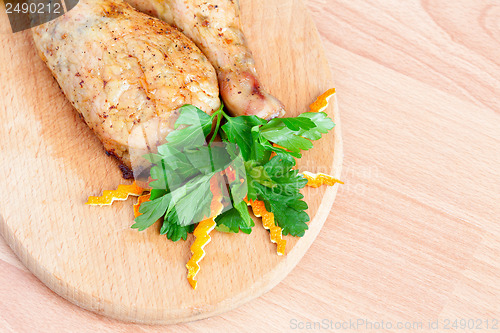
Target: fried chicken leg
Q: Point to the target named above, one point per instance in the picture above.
(126, 73)
(214, 25)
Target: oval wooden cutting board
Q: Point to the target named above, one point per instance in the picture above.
(51, 163)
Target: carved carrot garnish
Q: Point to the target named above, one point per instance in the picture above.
(202, 233)
(318, 179)
(140, 200)
(121, 193)
(259, 210)
(321, 103)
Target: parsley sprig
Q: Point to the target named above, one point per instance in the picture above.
(244, 163)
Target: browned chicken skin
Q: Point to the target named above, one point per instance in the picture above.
(126, 73)
(214, 25)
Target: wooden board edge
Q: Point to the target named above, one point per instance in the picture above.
(269, 281)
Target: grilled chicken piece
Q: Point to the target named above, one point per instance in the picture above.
(214, 25)
(126, 73)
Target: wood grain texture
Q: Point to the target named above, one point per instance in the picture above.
(414, 233)
(90, 255)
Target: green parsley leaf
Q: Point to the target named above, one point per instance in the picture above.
(287, 207)
(238, 130)
(191, 115)
(267, 146)
(242, 208)
(285, 137)
(322, 123)
(284, 200)
(151, 212)
(235, 219)
(258, 174)
(259, 153)
(173, 230)
(155, 193)
(294, 124)
(238, 188)
(197, 125)
(192, 201)
(206, 159)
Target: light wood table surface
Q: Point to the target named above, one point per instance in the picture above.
(414, 234)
